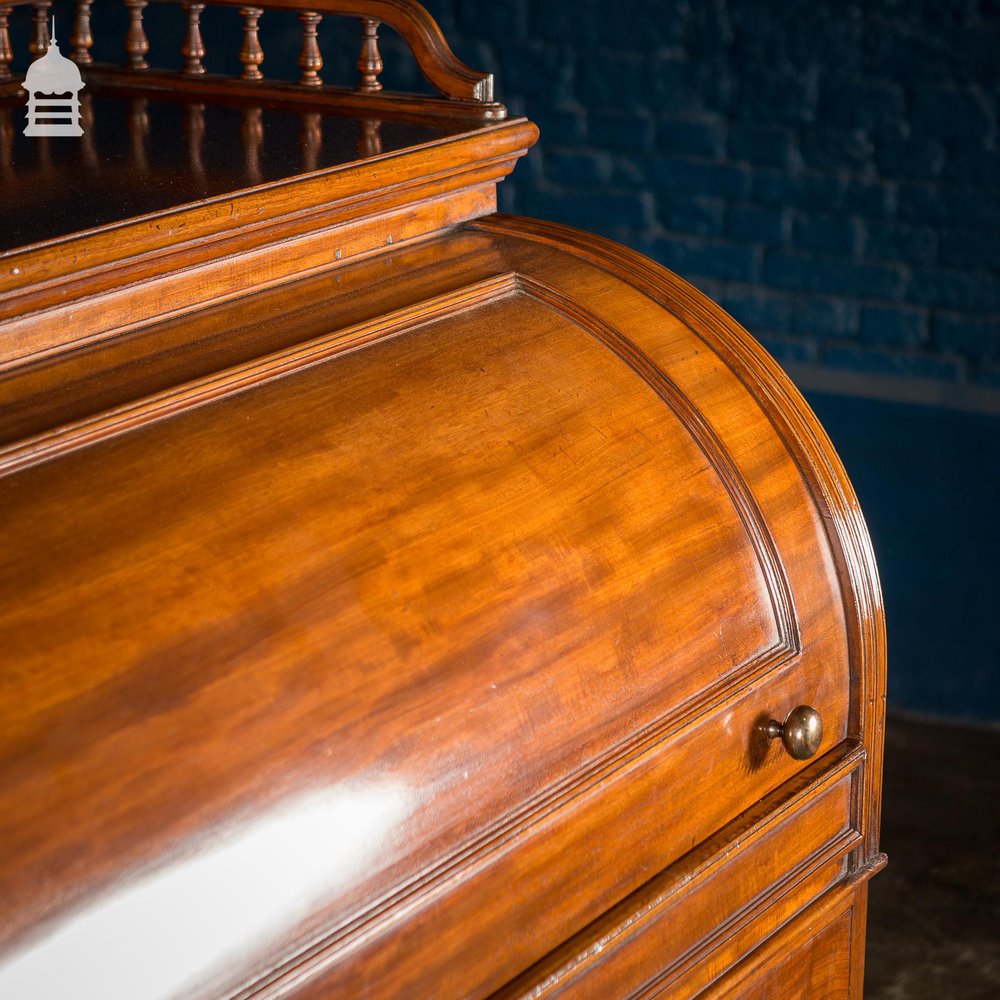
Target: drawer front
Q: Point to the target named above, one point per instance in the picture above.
(820, 969)
(819, 955)
(678, 932)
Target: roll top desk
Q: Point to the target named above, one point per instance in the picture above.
(400, 599)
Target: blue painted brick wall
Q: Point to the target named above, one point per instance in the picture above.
(829, 171)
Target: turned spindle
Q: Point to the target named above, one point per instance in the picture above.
(193, 48)
(6, 52)
(82, 39)
(136, 42)
(251, 55)
(39, 43)
(310, 61)
(370, 61)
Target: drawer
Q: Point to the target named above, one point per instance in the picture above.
(819, 955)
(700, 916)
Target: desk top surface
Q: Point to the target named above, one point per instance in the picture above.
(143, 154)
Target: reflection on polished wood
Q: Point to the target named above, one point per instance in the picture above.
(396, 595)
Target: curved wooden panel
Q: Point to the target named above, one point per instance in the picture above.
(353, 633)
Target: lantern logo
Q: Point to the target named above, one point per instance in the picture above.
(53, 84)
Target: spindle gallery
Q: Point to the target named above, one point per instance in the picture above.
(399, 599)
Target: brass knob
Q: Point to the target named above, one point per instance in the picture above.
(801, 733)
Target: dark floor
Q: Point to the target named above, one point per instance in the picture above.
(934, 912)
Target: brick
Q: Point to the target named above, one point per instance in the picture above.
(947, 113)
(929, 204)
(971, 250)
(758, 33)
(570, 166)
(561, 125)
(899, 243)
(934, 46)
(599, 209)
(825, 234)
(700, 177)
(704, 29)
(968, 336)
(909, 157)
(838, 27)
(988, 377)
(825, 317)
(853, 104)
(759, 224)
(691, 137)
(836, 149)
(758, 310)
(799, 272)
(557, 22)
(922, 204)
(974, 164)
(491, 20)
(703, 216)
(631, 25)
(760, 145)
(872, 199)
(954, 290)
(632, 170)
(877, 361)
(805, 191)
(712, 259)
(893, 325)
(676, 84)
(540, 73)
(620, 131)
(788, 348)
(611, 80)
(775, 93)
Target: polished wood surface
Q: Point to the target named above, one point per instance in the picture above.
(394, 601)
(145, 153)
